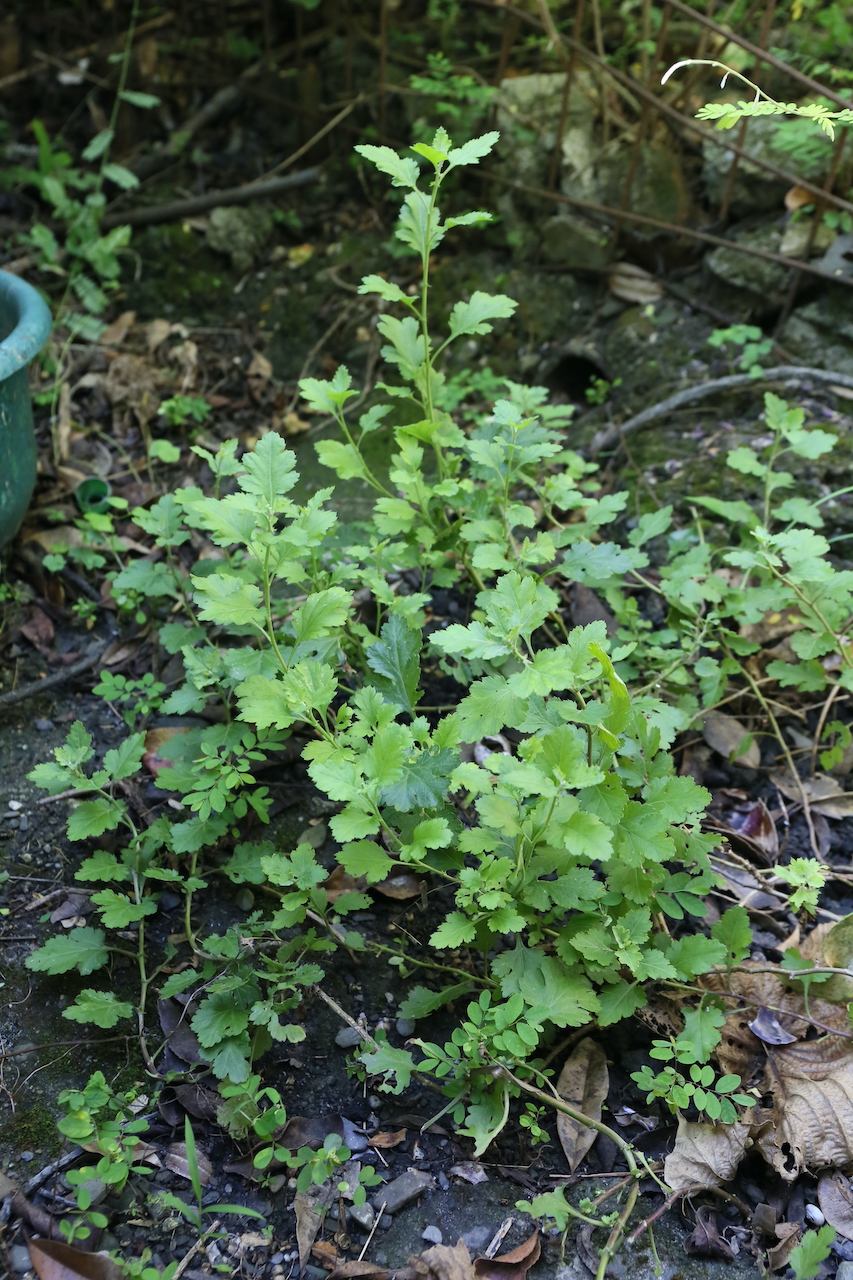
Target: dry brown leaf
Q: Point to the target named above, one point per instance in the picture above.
(359, 1268)
(115, 333)
(327, 1253)
(401, 886)
(583, 1084)
(705, 1240)
(749, 890)
(154, 740)
(823, 793)
(38, 629)
(746, 822)
(388, 1140)
(134, 381)
(64, 423)
(836, 952)
(835, 1196)
(796, 197)
(471, 1171)
(766, 1026)
(510, 1266)
(811, 1122)
(633, 284)
(310, 1209)
(259, 367)
(54, 1260)
(443, 1262)
(293, 425)
(726, 735)
(705, 1155)
(788, 1234)
(176, 1160)
(156, 333)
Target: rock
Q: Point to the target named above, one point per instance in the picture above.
(432, 1235)
(534, 104)
(477, 1239)
(845, 1271)
(796, 238)
(363, 1214)
(347, 1037)
(766, 281)
(659, 188)
(755, 190)
(403, 1190)
(315, 836)
(245, 899)
(44, 726)
(19, 1258)
(572, 242)
(240, 231)
(821, 332)
(27, 1156)
(405, 1026)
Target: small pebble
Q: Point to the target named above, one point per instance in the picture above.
(814, 1217)
(245, 899)
(432, 1234)
(24, 822)
(443, 1181)
(406, 1026)
(19, 1257)
(16, 804)
(315, 836)
(44, 726)
(27, 1155)
(347, 1037)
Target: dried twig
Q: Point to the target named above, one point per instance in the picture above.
(35, 687)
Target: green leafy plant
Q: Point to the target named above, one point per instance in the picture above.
(139, 697)
(179, 410)
(754, 346)
(815, 1248)
(195, 1214)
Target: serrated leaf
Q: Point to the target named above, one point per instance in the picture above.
(123, 761)
(218, 1018)
(387, 1062)
(453, 931)
(83, 949)
(394, 658)
(424, 781)
(475, 315)
(94, 817)
(365, 858)
(618, 1001)
(102, 866)
(420, 1002)
(322, 613)
(118, 911)
(696, 954)
(734, 931)
(402, 171)
(101, 1007)
(342, 458)
(228, 601)
(545, 980)
(474, 150)
(385, 288)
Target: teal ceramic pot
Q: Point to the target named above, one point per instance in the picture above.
(24, 326)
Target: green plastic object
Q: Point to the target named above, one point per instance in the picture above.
(24, 326)
(92, 494)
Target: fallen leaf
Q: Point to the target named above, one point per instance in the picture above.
(359, 1268)
(299, 255)
(293, 425)
(810, 1124)
(176, 1160)
(749, 890)
(788, 1234)
(64, 423)
(156, 333)
(470, 1170)
(38, 629)
(175, 1025)
(115, 333)
(259, 367)
(705, 1240)
(388, 1140)
(510, 1266)
(339, 882)
(766, 1026)
(746, 822)
(154, 740)
(54, 1260)
(310, 1209)
(835, 951)
(705, 1155)
(401, 886)
(773, 626)
(443, 1262)
(633, 284)
(324, 1251)
(726, 735)
(835, 1196)
(312, 1131)
(823, 793)
(583, 1084)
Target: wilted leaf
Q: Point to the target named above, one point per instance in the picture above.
(176, 1160)
(38, 629)
(357, 1268)
(746, 822)
(725, 734)
(836, 953)
(339, 882)
(510, 1266)
(312, 1131)
(705, 1155)
(705, 1240)
(443, 1262)
(54, 1260)
(822, 792)
(788, 1235)
(115, 333)
(154, 740)
(797, 197)
(633, 284)
(156, 333)
(471, 1170)
(310, 1209)
(402, 885)
(583, 1084)
(835, 1196)
(259, 368)
(387, 1140)
(766, 1026)
(811, 1122)
(773, 626)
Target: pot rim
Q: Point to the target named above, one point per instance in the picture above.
(33, 323)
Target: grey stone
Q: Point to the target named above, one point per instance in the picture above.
(405, 1026)
(347, 1037)
(245, 899)
(240, 232)
(432, 1235)
(767, 280)
(363, 1214)
(403, 1190)
(19, 1257)
(477, 1239)
(27, 1156)
(845, 1271)
(315, 836)
(572, 242)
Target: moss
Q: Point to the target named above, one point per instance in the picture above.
(32, 1128)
